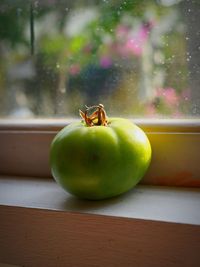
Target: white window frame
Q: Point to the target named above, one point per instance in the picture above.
(175, 149)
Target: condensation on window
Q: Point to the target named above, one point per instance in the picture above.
(139, 58)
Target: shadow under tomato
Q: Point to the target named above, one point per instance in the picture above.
(76, 204)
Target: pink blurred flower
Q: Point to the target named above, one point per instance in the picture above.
(74, 69)
(135, 43)
(129, 42)
(169, 95)
(134, 47)
(105, 62)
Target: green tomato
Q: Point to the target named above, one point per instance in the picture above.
(100, 162)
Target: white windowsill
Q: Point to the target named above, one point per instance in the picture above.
(155, 203)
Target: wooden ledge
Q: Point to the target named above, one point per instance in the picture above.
(41, 225)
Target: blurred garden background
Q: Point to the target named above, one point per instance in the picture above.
(139, 58)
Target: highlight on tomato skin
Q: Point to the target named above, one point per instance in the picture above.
(99, 157)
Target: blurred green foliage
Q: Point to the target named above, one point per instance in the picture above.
(117, 55)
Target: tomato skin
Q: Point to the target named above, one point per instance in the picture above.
(99, 162)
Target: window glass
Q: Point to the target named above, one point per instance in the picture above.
(139, 58)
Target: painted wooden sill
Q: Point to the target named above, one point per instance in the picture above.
(41, 225)
(168, 204)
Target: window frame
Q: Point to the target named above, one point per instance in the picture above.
(175, 144)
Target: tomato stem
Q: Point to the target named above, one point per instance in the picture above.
(98, 116)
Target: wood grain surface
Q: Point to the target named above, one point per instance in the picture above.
(36, 237)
